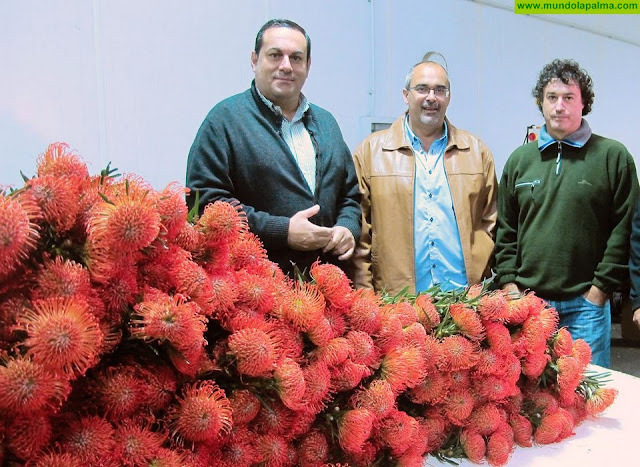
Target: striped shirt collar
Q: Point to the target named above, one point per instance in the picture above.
(303, 106)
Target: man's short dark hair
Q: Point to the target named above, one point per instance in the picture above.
(281, 23)
(567, 71)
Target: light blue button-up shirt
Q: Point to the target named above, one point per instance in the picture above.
(437, 247)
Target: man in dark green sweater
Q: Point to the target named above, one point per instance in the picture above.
(565, 205)
(282, 157)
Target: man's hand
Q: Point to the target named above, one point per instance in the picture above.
(636, 317)
(512, 290)
(342, 243)
(596, 296)
(304, 235)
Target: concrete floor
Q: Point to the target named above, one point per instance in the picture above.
(625, 354)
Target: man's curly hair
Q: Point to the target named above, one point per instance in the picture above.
(566, 71)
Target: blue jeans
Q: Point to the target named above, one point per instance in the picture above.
(588, 321)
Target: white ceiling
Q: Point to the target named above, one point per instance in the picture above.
(625, 28)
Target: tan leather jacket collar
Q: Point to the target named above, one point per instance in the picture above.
(397, 138)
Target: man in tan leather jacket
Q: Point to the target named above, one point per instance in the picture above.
(428, 196)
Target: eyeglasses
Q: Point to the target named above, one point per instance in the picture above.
(424, 90)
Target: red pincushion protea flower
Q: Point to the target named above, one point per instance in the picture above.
(367, 456)
(18, 232)
(248, 253)
(494, 388)
(486, 419)
(60, 161)
(62, 335)
(494, 306)
(541, 402)
(334, 352)
(255, 351)
(397, 431)
(172, 209)
(290, 383)
(303, 306)
(522, 430)
(337, 321)
(562, 343)
(403, 367)
(58, 200)
(290, 341)
(535, 334)
(274, 418)
(348, 375)
(581, 351)
(570, 373)
(255, 291)
(499, 449)
(458, 353)
(405, 312)
(27, 387)
(190, 239)
(415, 334)
(193, 281)
(427, 313)
(520, 309)
(272, 450)
(27, 436)
(391, 333)
(318, 386)
(458, 405)
(553, 427)
(222, 222)
(364, 314)
(163, 318)
(203, 413)
(489, 363)
(534, 364)
(119, 289)
(118, 392)
(239, 451)
(321, 333)
(62, 278)
(467, 321)
(137, 443)
(432, 390)
(459, 378)
(301, 424)
(474, 445)
(363, 348)
(171, 458)
(190, 359)
(498, 337)
(161, 384)
(313, 449)
(354, 428)
(436, 426)
(126, 224)
(378, 398)
(334, 285)
(600, 399)
(549, 321)
(91, 439)
(244, 405)
(225, 293)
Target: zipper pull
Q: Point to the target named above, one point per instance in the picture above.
(559, 158)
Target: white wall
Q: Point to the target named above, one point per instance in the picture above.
(129, 81)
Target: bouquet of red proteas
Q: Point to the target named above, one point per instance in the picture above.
(133, 332)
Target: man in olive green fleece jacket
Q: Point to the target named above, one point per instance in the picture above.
(565, 205)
